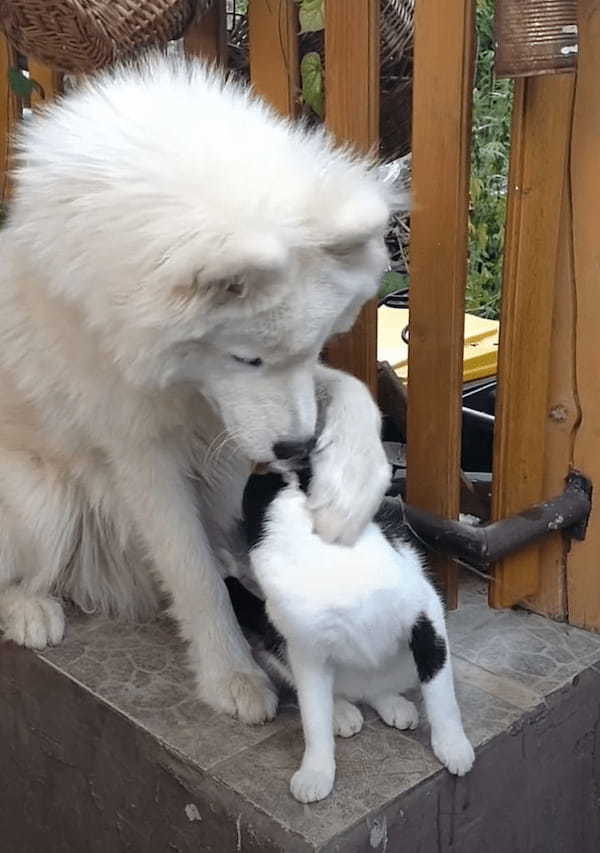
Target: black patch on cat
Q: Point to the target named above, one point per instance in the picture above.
(249, 608)
(260, 491)
(273, 641)
(251, 613)
(428, 648)
(391, 521)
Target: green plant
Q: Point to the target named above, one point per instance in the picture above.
(492, 103)
(391, 282)
(311, 17)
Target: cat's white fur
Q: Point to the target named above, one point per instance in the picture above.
(163, 223)
(347, 615)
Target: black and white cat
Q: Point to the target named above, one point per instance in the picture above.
(356, 624)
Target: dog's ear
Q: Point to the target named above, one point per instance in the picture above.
(367, 213)
(245, 264)
(231, 267)
(240, 262)
(355, 223)
(259, 253)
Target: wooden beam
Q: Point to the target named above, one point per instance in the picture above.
(352, 71)
(352, 115)
(206, 36)
(10, 111)
(442, 94)
(539, 152)
(562, 410)
(273, 36)
(583, 563)
(48, 78)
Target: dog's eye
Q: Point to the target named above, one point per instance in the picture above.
(253, 362)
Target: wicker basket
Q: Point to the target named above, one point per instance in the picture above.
(82, 35)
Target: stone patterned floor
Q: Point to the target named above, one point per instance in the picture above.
(506, 663)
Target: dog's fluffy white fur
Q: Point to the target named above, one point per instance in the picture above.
(174, 260)
(356, 621)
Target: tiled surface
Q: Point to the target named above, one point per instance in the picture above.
(142, 671)
(505, 663)
(537, 653)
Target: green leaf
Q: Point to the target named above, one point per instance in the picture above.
(311, 72)
(311, 16)
(21, 85)
(391, 282)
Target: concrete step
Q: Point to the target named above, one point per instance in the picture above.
(104, 748)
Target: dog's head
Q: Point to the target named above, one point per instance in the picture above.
(205, 240)
(258, 315)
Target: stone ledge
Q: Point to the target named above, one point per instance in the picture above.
(103, 747)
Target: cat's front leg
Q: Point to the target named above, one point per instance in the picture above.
(314, 684)
(429, 645)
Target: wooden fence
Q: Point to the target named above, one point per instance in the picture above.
(548, 410)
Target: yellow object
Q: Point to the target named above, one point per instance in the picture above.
(481, 343)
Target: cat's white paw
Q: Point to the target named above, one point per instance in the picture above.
(397, 711)
(35, 621)
(249, 696)
(312, 783)
(454, 751)
(347, 718)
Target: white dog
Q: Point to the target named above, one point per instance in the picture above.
(359, 624)
(175, 258)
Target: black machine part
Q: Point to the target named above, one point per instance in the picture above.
(480, 546)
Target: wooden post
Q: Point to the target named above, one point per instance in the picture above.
(539, 151)
(273, 36)
(352, 114)
(562, 414)
(10, 111)
(206, 36)
(442, 94)
(583, 563)
(48, 78)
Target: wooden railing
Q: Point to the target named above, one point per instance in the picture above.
(548, 411)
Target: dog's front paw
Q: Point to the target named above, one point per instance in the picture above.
(35, 621)
(347, 718)
(454, 751)
(311, 783)
(346, 489)
(249, 696)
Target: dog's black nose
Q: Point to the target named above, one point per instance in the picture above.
(293, 449)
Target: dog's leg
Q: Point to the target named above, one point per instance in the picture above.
(314, 684)
(40, 515)
(429, 645)
(31, 620)
(350, 469)
(161, 500)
